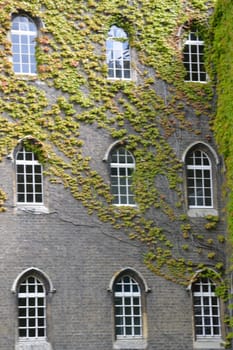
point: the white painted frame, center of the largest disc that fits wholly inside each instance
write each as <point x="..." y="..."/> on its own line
<point x="118" y="54"/>
<point x="32" y="315"/>
<point x="23" y="53"/>
<point x="205" y="171"/>
<point x="116" y="179"/>
<point x="204" y="310"/>
<point x="34" y="163"/>
<point x="128" y="323"/>
<point x="194" y="41"/>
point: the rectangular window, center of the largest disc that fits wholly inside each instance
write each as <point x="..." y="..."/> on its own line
<point x="29" y="178"/>
<point x="193" y="58"/>
<point x="206" y="309"/>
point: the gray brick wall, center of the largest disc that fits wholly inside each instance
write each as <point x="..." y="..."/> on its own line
<point x="81" y="255"/>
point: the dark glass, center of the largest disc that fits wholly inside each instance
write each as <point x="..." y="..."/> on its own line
<point x="22" y="302"/>
<point x="20" y="169"/>
<point x="32" y="333"/>
<point x="31" y="301"/>
<point x="28" y="169"/>
<point x="31" y="322"/>
<point x="29" y="198"/>
<point x="40" y="301"/>
<point x="128" y="330"/>
<point x="22" y="333"/>
<point x="32" y="312"/>
<point x="22" y="288"/>
<point x="37" y="169"/>
<point x="41" y="332"/>
<point x="40" y="311"/>
<point x="22" y="322"/>
<point x="22" y="312"/>
<point x="136" y="301"/>
<point x="40" y="322"/>
<point x="128" y="311"/>
<point x="21" y="198"/>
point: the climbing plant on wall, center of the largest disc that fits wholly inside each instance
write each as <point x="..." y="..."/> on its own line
<point x="148" y="114"/>
<point x="221" y="69"/>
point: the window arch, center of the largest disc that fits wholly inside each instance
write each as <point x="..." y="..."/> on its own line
<point x="199" y="179"/>
<point x="129" y="290"/>
<point x="118" y="54"/>
<point x="31" y="308"/>
<point x="29" y="177"/>
<point x="193" y="57"/>
<point x="206" y="309"/>
<point x="23" y="37"/>
<point x="122" y="166"/>
<point x="127" y="308"/>
<point x="31" y="288"/>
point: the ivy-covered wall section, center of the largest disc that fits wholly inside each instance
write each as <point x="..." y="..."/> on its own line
<point x="222" y="38"/>
<point x="156" y="114"/>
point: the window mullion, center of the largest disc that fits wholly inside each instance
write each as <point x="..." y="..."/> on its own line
<point x="36" y="316"/>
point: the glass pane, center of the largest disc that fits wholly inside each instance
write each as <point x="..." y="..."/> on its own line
<point x="22" y="312"/>
<point x="32" y="333"/>
<point x="41" y="332"/>
<point x="22" y="302"/>
<point x="31" y="301"/>
<point x="22" y="333"/>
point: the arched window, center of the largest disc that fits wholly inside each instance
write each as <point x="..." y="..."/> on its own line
<point x="122" y="166"/>
<point x="193" y="57"/>
<point x="118" y="54"/>
<point x="206" y="308"/>
<point x="127" y="308"/>
<point x="32" y="288"/>
<point x="199" y="179"/>
<point x="29" y="178"/>
<point x="31" y="308"/>
<point x="23" y="37"/>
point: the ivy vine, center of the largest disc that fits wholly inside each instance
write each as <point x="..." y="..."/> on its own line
<point x="152" y="113"/>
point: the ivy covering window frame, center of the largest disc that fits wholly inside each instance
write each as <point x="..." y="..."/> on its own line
<point x="193" y="57"/>
<point x="118" y="54"/>
<point x="24" y="33"/>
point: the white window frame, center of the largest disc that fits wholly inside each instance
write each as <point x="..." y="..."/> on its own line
<point x="34" y="164"/>
<point x="33" y="293"/>
<point x="118" y="54"/>
<point x="206" y="309"/>
<point x="126" y="320"/>
<point x="119" y="167"/>
<point x="199" y="181"/>
<point x="194" y="42"/>
<point x="23" y="54"/>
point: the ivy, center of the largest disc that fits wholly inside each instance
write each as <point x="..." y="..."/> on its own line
<point x="71" y="90"/>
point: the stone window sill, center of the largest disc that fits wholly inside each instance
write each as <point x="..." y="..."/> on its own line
<point x="209" y="343"/>
<point x="130" y="344"/>
<point x="33" y="345"/>
<point x="201" y="212"/>
<point x="33" y="209"/>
